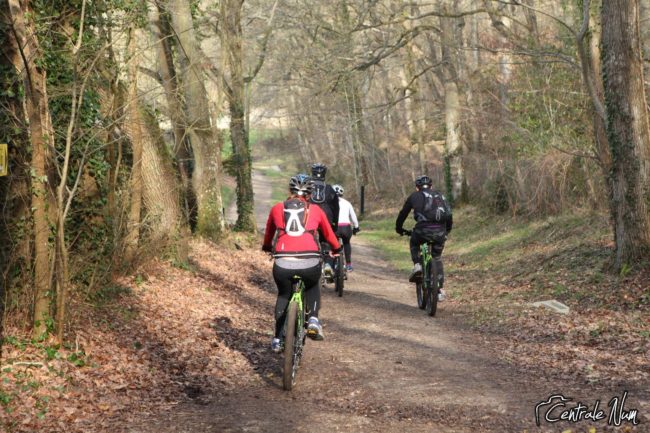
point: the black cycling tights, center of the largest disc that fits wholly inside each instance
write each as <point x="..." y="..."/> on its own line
<point x="345" y="232"/>
<point x="282" y="278"/>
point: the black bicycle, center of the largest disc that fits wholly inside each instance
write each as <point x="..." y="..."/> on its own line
<point x="427" y="288"/>
<point x="340" y="272"/>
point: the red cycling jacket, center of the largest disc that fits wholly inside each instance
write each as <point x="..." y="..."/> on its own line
<point x="300" y="246"/>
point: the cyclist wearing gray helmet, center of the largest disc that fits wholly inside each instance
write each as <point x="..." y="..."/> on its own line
<point x="290" y="237"/>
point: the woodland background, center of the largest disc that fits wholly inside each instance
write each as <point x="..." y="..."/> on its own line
<point x="131" y="125"/>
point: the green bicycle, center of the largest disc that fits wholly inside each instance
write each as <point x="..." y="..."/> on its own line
<point x="427" y="288"/>
<point x="294" y="333"/>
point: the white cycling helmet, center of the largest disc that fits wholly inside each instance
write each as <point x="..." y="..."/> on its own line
<point x="338" y="189"/>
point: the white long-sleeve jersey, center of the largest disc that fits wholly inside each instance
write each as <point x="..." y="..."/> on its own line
<point x="346" y="214"/>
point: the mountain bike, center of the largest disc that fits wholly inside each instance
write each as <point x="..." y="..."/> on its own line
<point x="427" y="288"/>
<point x="294" y="333"/>
<point x="339" y="272"/>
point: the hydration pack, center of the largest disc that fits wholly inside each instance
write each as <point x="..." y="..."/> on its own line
<point x="436" y="209"/>
<point x="295" y="217"/>
<point x="318" y="194"/>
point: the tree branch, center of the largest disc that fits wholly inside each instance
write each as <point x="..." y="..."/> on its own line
<point x="262" y="55"/>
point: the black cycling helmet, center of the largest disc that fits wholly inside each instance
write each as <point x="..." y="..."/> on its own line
<point x="301" y="184"/>
<point x="318" y="170"/>
<point x="423" y="181"/>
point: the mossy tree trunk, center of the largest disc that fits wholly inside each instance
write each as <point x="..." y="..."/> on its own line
<point x="231" y="37"/>
<point x="27" y="55"/>
<point x="627" y="128"/>
<point x="453" y="140"/>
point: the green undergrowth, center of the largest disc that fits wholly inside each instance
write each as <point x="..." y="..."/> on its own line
<point x="491" y="259"/>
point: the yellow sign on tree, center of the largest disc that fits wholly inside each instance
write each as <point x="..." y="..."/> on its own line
<point x="4" y="160"/>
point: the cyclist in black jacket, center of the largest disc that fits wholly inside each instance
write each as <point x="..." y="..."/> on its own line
<point x="433" y="220"/>
<point x="325" y="197"/>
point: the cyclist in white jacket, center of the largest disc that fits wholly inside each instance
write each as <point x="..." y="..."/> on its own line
<point x="348" y="224"/>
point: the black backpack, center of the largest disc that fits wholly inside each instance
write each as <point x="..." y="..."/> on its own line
<point x="318" y="193"/>
<point x="436" y="209"/>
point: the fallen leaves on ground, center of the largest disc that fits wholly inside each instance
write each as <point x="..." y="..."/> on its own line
<point x="172" y="335"/>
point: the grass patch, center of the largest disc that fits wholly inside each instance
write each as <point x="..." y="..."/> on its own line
<point x="559" y="257"/>
<point x="395" y="248"/>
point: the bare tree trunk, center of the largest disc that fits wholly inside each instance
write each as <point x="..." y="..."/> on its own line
<point x="162" y="34"/>
<point x="161" y="194"/>
<point x="64" y="195"/>
<point x="531" y="20"/>
<point x="627" y="128"/>
<point x="231" y="36"/>
<point x="600" y="133"/>
<point x="205" y="141"/>
<point x="109" y="103"/>
<point x="359" y="141"/>
<point x="133" y="128"/>
<point x="414" y="113"/>
<point x="41" y="136"/>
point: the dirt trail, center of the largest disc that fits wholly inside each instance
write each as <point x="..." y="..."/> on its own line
<point x="262" y="198"/>
<point x="384" y="367"/>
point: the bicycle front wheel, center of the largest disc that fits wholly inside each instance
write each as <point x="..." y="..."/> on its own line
<point x="421" y="294"/>
<point x="432" y="290"/>
<point x="290" y="348"/>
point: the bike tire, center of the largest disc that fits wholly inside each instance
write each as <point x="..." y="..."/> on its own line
<point x="419" y="292"/>
<point x="340" y="274"/>
<point x="432" y="292"/>
<point x="290" y="362"/>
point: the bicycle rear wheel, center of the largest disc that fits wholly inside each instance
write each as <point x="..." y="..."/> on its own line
<point x="291" y="348"/>
<point x="340" y="274"/>
<point x="432" y="291"/>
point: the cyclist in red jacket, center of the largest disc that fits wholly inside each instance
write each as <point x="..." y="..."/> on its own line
<point x="296" y="251"/>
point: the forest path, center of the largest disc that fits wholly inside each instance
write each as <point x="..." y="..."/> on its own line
<point x="262" y="196"/>
<point x="384" y="366"/>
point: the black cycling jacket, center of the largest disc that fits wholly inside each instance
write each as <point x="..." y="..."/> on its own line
<point x="331" y="206"/>
<point x="416" y="202"/>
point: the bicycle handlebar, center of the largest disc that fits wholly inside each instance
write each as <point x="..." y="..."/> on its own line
<point x="407" y="232"/>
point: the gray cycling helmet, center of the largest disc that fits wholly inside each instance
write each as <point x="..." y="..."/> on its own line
<point x="301" y="184"/>
<point x="423" y="181"/>
<point x="338" y="189"/>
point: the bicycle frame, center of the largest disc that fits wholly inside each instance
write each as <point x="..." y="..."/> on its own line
<point x="427" y="289"/>
<point x="298" y="288"/>
<point x="426" y="259"/>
